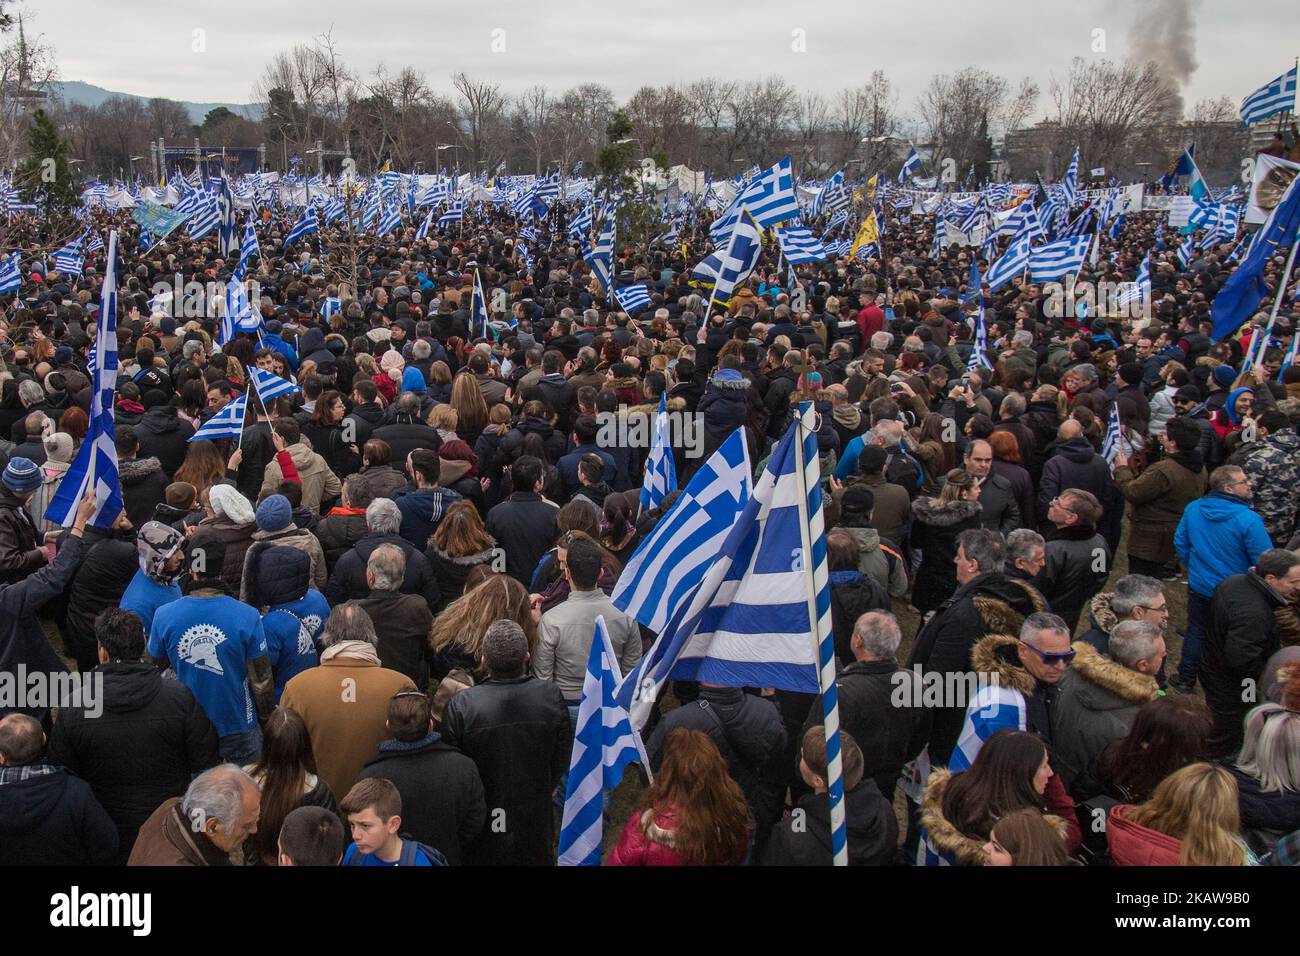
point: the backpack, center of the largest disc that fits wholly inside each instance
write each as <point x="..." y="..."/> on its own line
<point x="409" y="849"/>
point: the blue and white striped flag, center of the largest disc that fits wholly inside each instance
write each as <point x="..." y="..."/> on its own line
<point x="249" y="246"/>
<point x="1070" y="184"/>
<point x="455" y="212"/>
<point x="69" y="259"/>
<point x="227" y="423"/>
<point x="424" y="226"/>
<point x="660" y="470"/>
<point x="334" y="211"/>
<point x="799" y="245"/>
<point x="910" y="165"/>
<point x="633" y="298"/>
<point x="769" y="196"/>
<point x="207" y="213"/>
<point x="979" y="355"/>
<point x="96" y="243"/>
<point x="1139" y="291"/>
<point x="228" y="236"/>
<point x="604" y="743"/>
<point x="601" y="256"/>
<point x="1276" y="96"/>
<point x="306" y="225"/>
<point x="1110" y="445"/>
<point x="740" y="257"/>
<point x="96" y="462"/>
<point x="478" y="322"/>
<point x="270" y="386"/>
<point x="1058" y="259"/>
<point x="390" y="218"/>
<point x="1184" y="254"/>
<point x="11" y="275"/>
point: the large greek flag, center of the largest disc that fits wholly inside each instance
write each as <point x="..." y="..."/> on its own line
<point x="269" y="386"/>
<point x="799" y="245"/>
<point x="1139" y="291"/>
<point x="1058" y="259"/>
<point x="601" y="256"/>
<point x="740" y="257"/>
<point x="604" y="743"/>
<point x="96" y="462"/>
<point x="910" y="165"/>
<point x="11" y="275"/>
<point x="227" y="423"/>
<point x="306" y="225"/>
<point x="660" y="470"/>
<point x="249" y="246"/>
<point x="1276" y="96"/>
<point x="769" y="197"/>
<point x="633" y="298"/>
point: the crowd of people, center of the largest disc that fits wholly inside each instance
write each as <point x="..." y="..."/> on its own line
<point x="357" y="634"/>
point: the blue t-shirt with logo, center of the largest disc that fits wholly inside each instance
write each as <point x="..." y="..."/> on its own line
<point x="208" y="642"/>
<point x="370" y="859"/>
<point x="145" y="596"/>
<point x="291" y="632"/>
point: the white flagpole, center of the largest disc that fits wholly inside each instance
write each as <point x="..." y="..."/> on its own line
<point x="1277" y="301"/>
<point x="821" y="638"/>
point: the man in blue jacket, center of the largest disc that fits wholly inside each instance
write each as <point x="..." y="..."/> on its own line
<point x="1218" y="536"/>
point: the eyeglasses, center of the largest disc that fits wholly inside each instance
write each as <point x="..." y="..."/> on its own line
<point x="1049" y="658"/>
<point x="1162" y="609"/>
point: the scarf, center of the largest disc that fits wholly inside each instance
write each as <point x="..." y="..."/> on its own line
<point x="356" y="650"/>
<point x="1192" y="460"/>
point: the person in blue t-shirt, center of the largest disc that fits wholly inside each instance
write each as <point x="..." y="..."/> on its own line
<point x="217" y="648"/>
<point x="162" y="555"/>
<point x="374" y="811"/>
<point x="278" y="581"/>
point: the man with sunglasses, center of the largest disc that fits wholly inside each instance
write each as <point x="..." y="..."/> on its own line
<point x="1018" y="679"/>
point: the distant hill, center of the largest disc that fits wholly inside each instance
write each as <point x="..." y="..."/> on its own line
<point x="75" y="91"/>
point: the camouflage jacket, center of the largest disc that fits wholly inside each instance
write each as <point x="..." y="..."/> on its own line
<point x="1273" y="463"/>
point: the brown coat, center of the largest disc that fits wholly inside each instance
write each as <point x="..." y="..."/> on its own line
<point x="319" y="483"/>
<point x="167" y="839"/>
<point x="1156" y="500"/>
<point x="345" y="720"/>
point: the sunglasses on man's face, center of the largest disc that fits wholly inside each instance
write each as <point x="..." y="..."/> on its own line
<point x="1052" y="659"/>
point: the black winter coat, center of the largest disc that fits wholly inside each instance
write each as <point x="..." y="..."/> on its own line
<point x="512" y="444"/>
<point x="53" y="819"/>
<point x="517" y="732"/>
<point x="1076" y="464"/>
<point x="1076" y="565"/>
<point x="1242" y="635"/>
<point x="404" y="437"/>
<point x="852" y="595"/>
<point x="525" y="526"/>
<point x="869" y="817"/>
<point x="143" y="749"/>
<point x="164" y="435"/>
<point x="105" y="572"/>
<point x="144" y="488"/>
<point x="935" y="529"/>
<point x="338" y="533"/>
<point x="441" y="791"/>
<point x="348" y="582"/>
<point x="18" y="554"/>
<point x="451" y="573"/>
<point x="402" y="623"/>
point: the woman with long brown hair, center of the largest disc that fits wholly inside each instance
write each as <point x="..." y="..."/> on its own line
<point x="459" y="544"/>
<point x="471" y="408"/>
<point x="203" y="466"/>
<point x="693" y="814"/>
<point x="939" y="457"/>
<point x="1025" y="838"/>
<point x="286" y="774"/>
<point x="457" y="633"/>
<point x="1167" y="734"/>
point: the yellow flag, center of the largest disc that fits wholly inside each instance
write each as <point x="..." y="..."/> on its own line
<point x="867" y="234"/>
<point x="871" y="186"/>
<point x="387" y="167"/>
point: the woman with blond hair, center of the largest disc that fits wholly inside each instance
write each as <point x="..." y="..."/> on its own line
<point x="693" y="814"/>
<point x="471" y="408"/>
<point x="1192" y="819"/>
<point x="457" y="633"/>
<point x="1267" y="771"/>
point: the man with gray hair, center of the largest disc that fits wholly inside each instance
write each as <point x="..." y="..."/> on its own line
<point x="206" y="827"/>
<point x="881" y="704"/>
<point x="404" y="638"/>
<point x="1026" y="554"/>
<point x="1099" y="700"/>
<point x="515" y="727"/>
<point x="986" y="603"/>
<point x="349" y="581"/>
<point x="1136" y="598"/>
<point x="344" y="701"/>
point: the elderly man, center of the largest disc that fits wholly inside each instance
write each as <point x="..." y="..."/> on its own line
<point x="206" y="827"/>
<point x="1076" y="464"/>
<point x="889" y="735"/>
<point x="1136" y="598"/>
<point x="1077" y="560"/>
<point x="997" y="498"/>
<point x="348" y="582"/>
<point x="1026" y="554"/>
<point x="1100" y="697"/>
<point x="900" y="469"/>
<point x="344" y="701"/>
<point x="406" y="618"/>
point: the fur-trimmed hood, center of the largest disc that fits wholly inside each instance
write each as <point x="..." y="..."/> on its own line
<point x="650" y="410"/>
<point x="930" y="511"/>
<point x="1102" y="615"/>
<point x="1003" y="603"/>
<point x="996" y="654"/>
<point x="1112" y="678"/>
<point x="944" y="837"/>
<point x="135" y="470"/>
<point x="480" y="557"/>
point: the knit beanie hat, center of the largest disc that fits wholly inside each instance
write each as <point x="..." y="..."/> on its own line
<point x="21" y="476"/>
<point x="274" y="514"/>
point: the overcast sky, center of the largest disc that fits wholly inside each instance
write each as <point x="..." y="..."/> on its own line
<point x="145" y="46"/>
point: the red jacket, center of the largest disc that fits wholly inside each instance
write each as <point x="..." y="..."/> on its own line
<point x="647" y="841"/>
<point x="1134" y="845"/>
<point x="870" y="321"/>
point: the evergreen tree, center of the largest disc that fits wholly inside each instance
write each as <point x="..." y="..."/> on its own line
<point x="45" y="177"/>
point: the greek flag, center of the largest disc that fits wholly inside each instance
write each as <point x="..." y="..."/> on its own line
<point x="270" y="386"/>
<point x="478" y="323"/>
<point x="1117" y="227"/>
<point x="633" y="298"/>
<point x="660" y="471"/>
<point x="799" y="245"/>
<point x="424" y="226"/>
<point x="306" y="225"/>
<point x="96" y="243"/>
<point x="454" y="213"/>
<point x="434" y="193"/>
<point x="1058" y="259"/>
<point x="580" y="228"/>
<point x="11" y="275"/>
<point x="980" y="353"/>
<point x="839" y="247"/>
<point x="207" y="213"/>
<point x="228" y="238"/>
<point x="910" y="165"/>
<point x="601" y="256"/>
<point x="832" y="187"/>
<point x="334" y="211"/>
<point x="740" y="258"/>
<point x="1070" y="185"/>
<point x="96" y="462"/>
<point x="1139" y="291"/>
<point x="1276" y="96"/>
<point x="227" y="423"/>
<point x="940" y="233"/>
<point x="769" y="196"/>
<point x="604" y="743"/>
<point x="1184" y="254"/>
<point x="390" y="218"/>
<point x="249" y="247"/>
<point x="1110" y="445"/>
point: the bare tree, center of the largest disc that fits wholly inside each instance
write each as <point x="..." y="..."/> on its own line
<point x="533" y="110"/>
<point x="482" y="113"/>
<point x="867" y="113"/>
<point x="956" y="112"/>
<point x="661" y="120"/>
<point x="811" y="119"/>
<point x="26" y="66"/>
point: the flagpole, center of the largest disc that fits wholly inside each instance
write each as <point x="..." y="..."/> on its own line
<point x="1277" y="300"/>
<point x="823" y="645"/>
